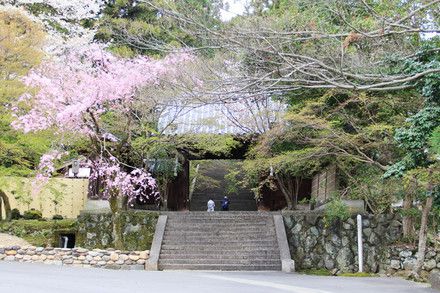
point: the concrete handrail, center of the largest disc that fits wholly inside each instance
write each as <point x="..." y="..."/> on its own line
<point x="153" y="262"/>
<point x="287" y="263"/>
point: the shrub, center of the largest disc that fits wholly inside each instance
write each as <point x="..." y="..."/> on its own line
<point x="37" y="232"/>
<point x="15" y="214"/>
<point x="57" y="217"/>
<point x="32" y="214"/>
<point x="335" y="210"/>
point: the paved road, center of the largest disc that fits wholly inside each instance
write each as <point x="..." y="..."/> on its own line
<point x="35" y="278"/>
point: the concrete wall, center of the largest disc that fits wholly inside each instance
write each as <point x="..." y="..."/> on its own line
<point x="71" y="193"/>
<point x="314" y="245"/>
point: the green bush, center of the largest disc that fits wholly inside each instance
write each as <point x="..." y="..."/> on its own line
<point x="336" y="210"/>
<point x="57" y="217"/>
<point x="37" y="232"/>
<point x="15" y="214"/>
<point x="32" y="214"/>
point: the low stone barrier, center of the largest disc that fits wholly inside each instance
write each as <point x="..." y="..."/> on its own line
<point x="108" y="258"/>
<point x="401" y="260"/>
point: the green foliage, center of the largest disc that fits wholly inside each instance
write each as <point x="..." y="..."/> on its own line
<point x="21" y="50"/>
<point x="233" y="181"/>
<point x="57" y="217"/>
<point x="335" y="210"/>
<point x="316" y="272"/>
<point x="141" y="29"/>
<point x="414" y="138"/>
<point x="58" y="27"/>
<point x="32" y="214"/>
<point x="435" y="141"/>
<point x="40" y="8"/>
<point x="367" y="183"/>
<point x="15" y="214"/>
<point x="36" y="232"/>
<point x="209" y="144"/>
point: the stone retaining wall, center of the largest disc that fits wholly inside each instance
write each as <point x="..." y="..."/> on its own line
<point x="314" y="245"/>
<point x="401" y="260"/>
<point x="95" y="230"/>
<point x="109" y="258"/>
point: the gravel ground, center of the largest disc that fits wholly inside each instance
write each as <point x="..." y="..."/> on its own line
<point x="9" y="240"/>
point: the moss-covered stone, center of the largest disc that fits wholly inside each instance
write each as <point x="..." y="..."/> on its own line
<point x="95" y="230"/>
<point x="40" y="8"/>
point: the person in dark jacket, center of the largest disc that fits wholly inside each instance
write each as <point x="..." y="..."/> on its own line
<point x="225" y="203"/>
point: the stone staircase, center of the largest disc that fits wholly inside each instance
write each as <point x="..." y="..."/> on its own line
<point x="242" y="201"/>
<point x="244" y="241"/>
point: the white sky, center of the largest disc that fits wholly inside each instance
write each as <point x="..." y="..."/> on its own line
<point x="232" y="9"/>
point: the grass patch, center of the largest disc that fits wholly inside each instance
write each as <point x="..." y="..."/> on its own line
<point x="316" y="272"/>
<point x="39" y="233"/>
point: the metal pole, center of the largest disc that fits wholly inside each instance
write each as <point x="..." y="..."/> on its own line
<point x="360" y="250"/>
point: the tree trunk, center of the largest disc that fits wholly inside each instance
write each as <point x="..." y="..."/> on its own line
<point x="7" y="205"/>
<point x="408" y="220"/>
<point x="421" y="251"/>
<point x="116" y="222"/>
<point x="423" y="233"/>
<point x="285" y="192"/>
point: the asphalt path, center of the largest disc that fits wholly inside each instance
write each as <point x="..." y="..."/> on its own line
<point x="35" y="278"/>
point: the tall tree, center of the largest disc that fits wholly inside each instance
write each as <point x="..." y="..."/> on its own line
<point x="21" y="42"/>
<point x="73" y="94"/>
<point x="133" y="27"/>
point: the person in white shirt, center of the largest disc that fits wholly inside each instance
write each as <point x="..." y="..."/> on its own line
<point x="211" y="205"/>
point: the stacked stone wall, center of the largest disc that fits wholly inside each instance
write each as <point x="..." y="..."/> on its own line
<point x="95" y="230"/>
<point x="313" y="244"/>
<point x="401" y="260"/>
<point x="109" y="258"/>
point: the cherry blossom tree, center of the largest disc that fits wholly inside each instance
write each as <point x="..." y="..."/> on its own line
<point x="71" y="93"/>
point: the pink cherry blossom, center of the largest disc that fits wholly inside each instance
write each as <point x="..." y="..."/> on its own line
<point x="73" y="91"/>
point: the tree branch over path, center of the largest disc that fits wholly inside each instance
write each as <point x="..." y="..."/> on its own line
<point x="321" y="45"/>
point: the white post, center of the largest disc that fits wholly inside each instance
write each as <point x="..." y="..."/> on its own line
<point x="360" y="250"/>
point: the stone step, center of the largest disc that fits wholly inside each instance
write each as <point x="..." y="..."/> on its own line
<point x="219" y="215"/>
<point x="215" y="238"/>
<point x="219" y="233"/>
<point x="250" y="231"/>
<point x="220" y="222"/>
<point x="238" y="246"/>
<point x="210" y="261"/>
<point x="232" y="207"/>
<point x="219" y="267"/>
<point x="172" y="254"/>
<point x="216" y="243"/>
<point x="210" y="226"/>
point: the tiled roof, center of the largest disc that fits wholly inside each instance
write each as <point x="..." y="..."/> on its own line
<point x="237" y="117"/>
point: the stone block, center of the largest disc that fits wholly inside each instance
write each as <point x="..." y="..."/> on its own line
<point x="395" y="264"/>
<point x="144" y="254"/>
<point x="405" y="253"/>
<point x="430" y="264"/>
<point x="434" y="279"/>
<point x="114" y="256"/>
<point x="134" y="257"/>
<point x="409" y="264"/>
